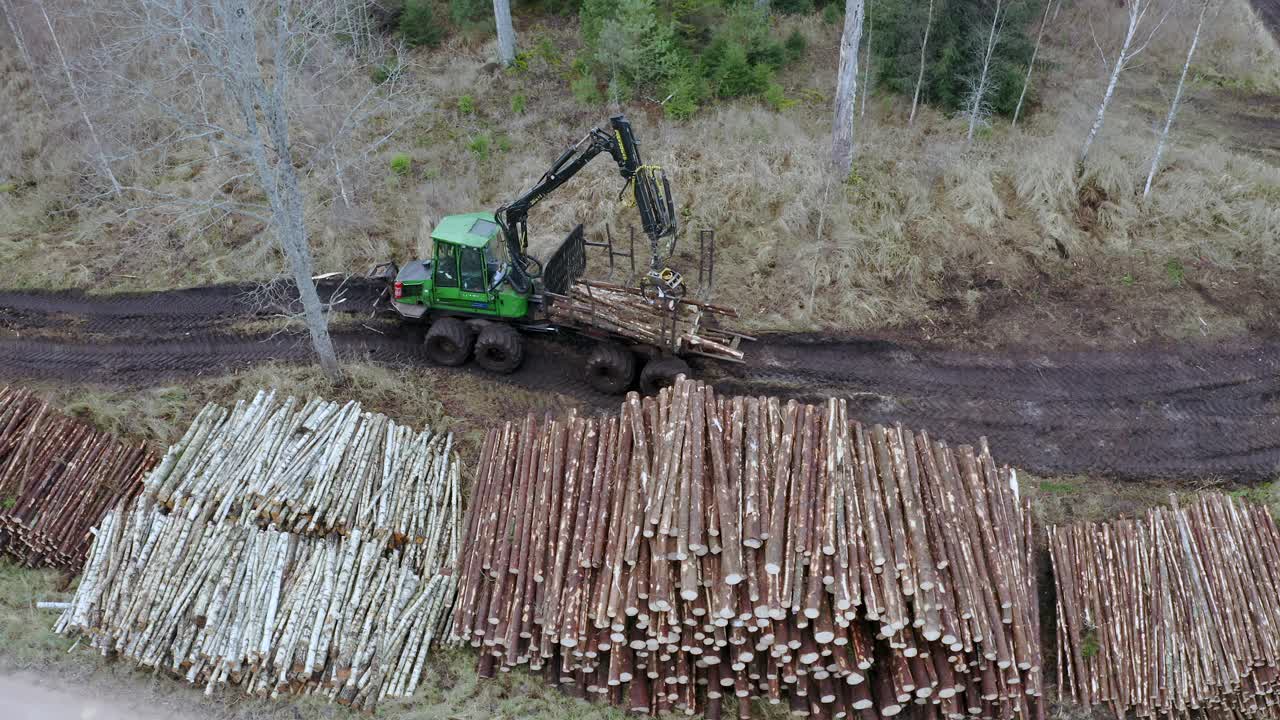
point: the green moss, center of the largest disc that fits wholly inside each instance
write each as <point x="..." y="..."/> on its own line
<point x="1090" y="647"/>
<point x="1058" y="488"/>
<point x="401" y="164"/>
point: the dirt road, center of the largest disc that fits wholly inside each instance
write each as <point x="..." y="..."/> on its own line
<point x="1186" y="412"/>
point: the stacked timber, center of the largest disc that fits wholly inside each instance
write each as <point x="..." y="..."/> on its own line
<point x="274" y="612"/>
<point x="684" y="327"/>
<point x="309" y="467"/>
<point x="285" y="547"/>
<point x="57" y="479"/>
<point x="1171" y="613"/>
<point x="697" y="547"/>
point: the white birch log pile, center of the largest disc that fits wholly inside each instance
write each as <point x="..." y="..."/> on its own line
<point x="1173" y="613"/>
<point x="696" y="547"/>
<point x="58" y="477"/>
<point x="285" y="547"/>
<point x="310" y="467"/>
<point x="269" y="611"/>
<point x="684" y="327"/>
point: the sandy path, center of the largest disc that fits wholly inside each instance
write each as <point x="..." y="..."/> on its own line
<point x="27" y="696"/>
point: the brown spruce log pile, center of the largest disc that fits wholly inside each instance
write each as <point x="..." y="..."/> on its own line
<point x="1173" y="612"/>
<point x="697" y="547"/>
<point x="285" y="547"/>
<point x="58" y="477"/>
<point x="681" y="326"/>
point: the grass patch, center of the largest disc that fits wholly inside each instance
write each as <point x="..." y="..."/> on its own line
<point x="26" y="638"/>
<point x="1058" y="488"/>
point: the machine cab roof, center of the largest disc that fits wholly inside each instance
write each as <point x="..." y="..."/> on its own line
<point x="473" y="230"/>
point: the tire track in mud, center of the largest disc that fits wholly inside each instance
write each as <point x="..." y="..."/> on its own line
<point x="1191" y="411"/>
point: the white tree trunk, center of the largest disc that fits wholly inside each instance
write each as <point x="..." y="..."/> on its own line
<point x="15" y="28"/>
<point x="846" y="89"/>
<point x="762" y="4"/>
<point x="75" y="93"/>
<point x="980" y="90"/>
<point x="1137" y="11"/>
<point x="1173" y="107"/>
<point x="1026" y="82"/>
<point x="273" y="158"/>
<point x="506" y="34"/>
<point x="1101" y="115"/>
<point x="1057" y="8"/>
<point x="924" y="48"/>
<point x="866" y="78"/>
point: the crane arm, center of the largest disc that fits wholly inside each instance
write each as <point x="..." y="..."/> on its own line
<point x="649" y="184"/>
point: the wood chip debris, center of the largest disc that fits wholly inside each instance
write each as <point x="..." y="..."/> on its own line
<point x="696" y="547"/>
<point x="1173" y="612"/>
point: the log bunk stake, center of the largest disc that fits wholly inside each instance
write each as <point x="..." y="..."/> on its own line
<point x="1173" y="613"/>
<point x="285" y="547"/>
<point x="57" y="479"/>
<point x="680" y="326"/>
<point x="698" y="547"/>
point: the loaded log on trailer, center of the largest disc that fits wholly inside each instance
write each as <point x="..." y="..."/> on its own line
<point x="480" y="291"/>
<point x="696" y="547"/>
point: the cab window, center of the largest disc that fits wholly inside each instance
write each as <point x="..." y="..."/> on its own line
<point x="471" y="267"/>
<point x="446" y="267"/>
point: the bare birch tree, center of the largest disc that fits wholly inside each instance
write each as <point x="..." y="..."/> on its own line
<point x="1026" y="82"/>
<point x="1177" y="100"/>
<point x="866" y="78"/>
<point x="924" y="49"/>
<point x="1138" y="23"/>
<point x="103" y="164"/>
<point x="15" y="28"/>
<point x="278" y="89"/>
<point x="506" y="34"/>
<point x="846" y="89"/>
<point x="978" y="95"/>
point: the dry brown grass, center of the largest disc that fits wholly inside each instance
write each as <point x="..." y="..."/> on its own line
<point x="924" y="220"/>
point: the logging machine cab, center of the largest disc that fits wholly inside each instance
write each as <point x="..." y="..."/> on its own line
<point x="480" y="284"/>
<point x="467" y="273"/>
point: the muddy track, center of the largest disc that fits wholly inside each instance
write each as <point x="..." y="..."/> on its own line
<point x="1189" y="412"/>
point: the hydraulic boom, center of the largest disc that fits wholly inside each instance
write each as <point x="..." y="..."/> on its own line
<point x="649" y="184"/>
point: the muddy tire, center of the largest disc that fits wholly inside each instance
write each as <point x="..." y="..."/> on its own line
<point x="499" y="349"/>
<point x="449" y="342"/>
<point x="611" y="369"/>
<point x="661" y="373"/>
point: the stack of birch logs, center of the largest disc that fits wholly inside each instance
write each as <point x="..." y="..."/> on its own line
<point x="677" y="325"/>
<point x="57" y="479"/>
<point x="698" y="547"/>
<point x="1171" y="613"/>
<point x="285" y="547"/>
<point x="310" y="468"/>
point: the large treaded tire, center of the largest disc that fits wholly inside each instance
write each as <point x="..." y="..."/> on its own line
<point x="661" y="373"/>
<point x="499" y="349"/>
<point x="449" y="342"/>
<point x="611" y="369"/>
